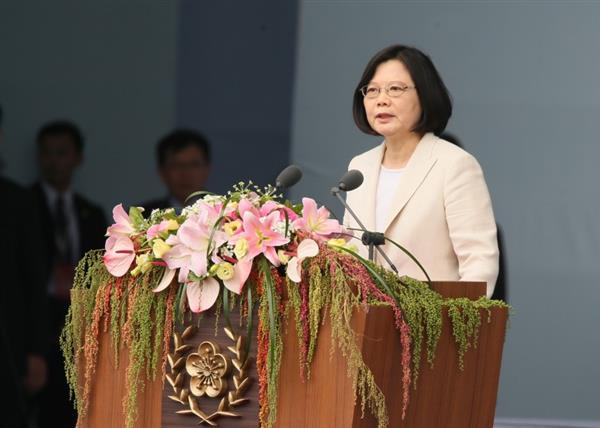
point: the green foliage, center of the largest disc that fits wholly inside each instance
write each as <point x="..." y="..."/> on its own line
<point x="270" y="315"/>
<point x="343" y="305"/>
<point x="89" y="275"/>
<point x="141" y="346"/>
<point x="137" y="316"/>
<point x="319" y="299"/>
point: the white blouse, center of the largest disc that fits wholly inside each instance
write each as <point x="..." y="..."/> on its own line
<point x="389" y="181"/>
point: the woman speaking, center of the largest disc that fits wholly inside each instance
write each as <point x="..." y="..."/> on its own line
<point x="421" y="191"/>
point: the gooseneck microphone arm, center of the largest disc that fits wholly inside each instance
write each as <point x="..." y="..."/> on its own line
<point x="350" y="181"/>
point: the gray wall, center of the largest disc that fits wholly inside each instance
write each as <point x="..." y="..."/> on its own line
<point x="235" y="79"/>
<point x="110" y="67"/>
<point x="524" y="77"/>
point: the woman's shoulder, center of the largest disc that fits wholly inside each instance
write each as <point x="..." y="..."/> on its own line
<point x="454" y="161"/>
<point x="367" y="156"/>
<point x="449" y="154"/>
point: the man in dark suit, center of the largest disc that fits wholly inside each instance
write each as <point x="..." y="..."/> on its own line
<point x="183" y="159"/>
<point x="72" y="225"/>
<point x="22" y="304"/>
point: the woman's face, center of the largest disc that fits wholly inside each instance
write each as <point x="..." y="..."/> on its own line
<point x="393" y="116"/>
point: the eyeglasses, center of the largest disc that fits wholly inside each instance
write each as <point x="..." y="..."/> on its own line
<point x="393" y="89"/>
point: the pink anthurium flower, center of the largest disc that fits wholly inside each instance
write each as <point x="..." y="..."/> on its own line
<point x="241" y="271"/>
<point x="190" y="247"/>
<point x="261" y="237"/>
<point x="316" y="221"/>
<point x="201" y="295"/>
<point x="306" y="248"/>
<point x="166" y="280"/>
<point x="119" y="255"/>
<point x="122" y="225"/>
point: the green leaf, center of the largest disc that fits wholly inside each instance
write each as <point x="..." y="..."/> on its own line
<point x="413" y="258"/>
<point x="136" y="217"/>
<point x="250" y="320"/>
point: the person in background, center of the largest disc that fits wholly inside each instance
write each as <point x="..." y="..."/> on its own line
<point x="420" y="190"/>
<point x="72" y="226"/>
<point x="184" y="159"/>
<point x="501" y="290"/>
<point x="22" y="304"/>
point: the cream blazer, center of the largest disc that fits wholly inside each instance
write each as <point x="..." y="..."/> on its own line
<point x="441" y="212"/>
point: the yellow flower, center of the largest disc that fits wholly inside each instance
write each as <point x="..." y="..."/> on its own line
<point x="232" y="227"/>
<point x="337" y="242"/>
<point x="172" y="225"/>
<point x="283" y="257"/>
<point x="160" y="247"/>
<point x="241" y="248"/>
<point x="143" y="264"/>
<point x="225" y="271"/>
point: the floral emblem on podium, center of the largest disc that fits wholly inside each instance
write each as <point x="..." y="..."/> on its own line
<point x="207" y="369"/>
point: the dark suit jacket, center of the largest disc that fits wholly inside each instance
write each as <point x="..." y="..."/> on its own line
<point x="90" y="218"/>
<point x="23" y="305"/>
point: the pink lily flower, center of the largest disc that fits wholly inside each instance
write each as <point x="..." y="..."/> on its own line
<point x="156" y="229"/>
<point x="316" y="221"/>
<point x="190" y="248"/>
<point x="119" y="255"/>
<point x="201" y="295"/>
<point x="246" y="205"/>
<point x="306" y="248"/>
<point x="261" y="237"/>
<point x="122" y="225"/>
<point x="208" y="214"/>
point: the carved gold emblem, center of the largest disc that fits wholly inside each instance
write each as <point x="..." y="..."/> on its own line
<point x="208" y="371"/>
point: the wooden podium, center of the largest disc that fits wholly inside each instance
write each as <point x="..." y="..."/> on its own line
<point x="444" y="396"/>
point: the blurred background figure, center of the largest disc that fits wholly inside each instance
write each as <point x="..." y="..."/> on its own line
<point x="72" y="225"/>
<point x="501" y="290"/>
<point x="22" y="304"/>
<point x="184" y="159"/>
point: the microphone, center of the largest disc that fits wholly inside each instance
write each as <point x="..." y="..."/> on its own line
<point x="350" y="181"/>
<point x="288" y="177"/>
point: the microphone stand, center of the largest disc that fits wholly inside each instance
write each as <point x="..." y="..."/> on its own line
<point x="371" y="239"/>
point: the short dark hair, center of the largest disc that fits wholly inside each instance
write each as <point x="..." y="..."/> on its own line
<point x="180" y="139"/>
<point x="436" y="105"/>
<point x="61" y="127"/>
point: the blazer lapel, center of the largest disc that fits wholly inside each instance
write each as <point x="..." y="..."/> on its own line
<point x="421" y="162"/>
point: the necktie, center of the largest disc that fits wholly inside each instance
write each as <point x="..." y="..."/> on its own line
<point x="63" y="263"/>
<point x="61" y="232"/>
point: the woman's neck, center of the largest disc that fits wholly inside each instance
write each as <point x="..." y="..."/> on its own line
<point x="398" y="150"/>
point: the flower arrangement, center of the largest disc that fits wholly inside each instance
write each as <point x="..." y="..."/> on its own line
<point x="214" y="242"/>
<point x="249" y="248"/>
